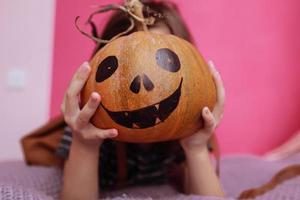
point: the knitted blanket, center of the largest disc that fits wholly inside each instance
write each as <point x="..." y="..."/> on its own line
<point x="19" y="181"/>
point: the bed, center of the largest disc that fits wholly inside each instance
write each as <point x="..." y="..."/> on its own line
<point x="19" y="181"/>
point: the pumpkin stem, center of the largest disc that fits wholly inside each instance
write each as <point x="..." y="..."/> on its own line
<point x="134" y="8"/>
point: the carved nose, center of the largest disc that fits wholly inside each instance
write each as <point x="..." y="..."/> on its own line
<point x="135" y="85"/>
<point x="148" y="85"/>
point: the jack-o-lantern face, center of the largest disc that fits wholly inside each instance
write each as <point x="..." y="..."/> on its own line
<point x="150" y="115"/>
<point x="153" y="87"/>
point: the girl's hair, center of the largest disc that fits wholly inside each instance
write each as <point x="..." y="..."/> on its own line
<point x="170" y="17"/>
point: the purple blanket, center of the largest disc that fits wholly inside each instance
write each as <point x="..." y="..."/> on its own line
<point x="18" y="181"/>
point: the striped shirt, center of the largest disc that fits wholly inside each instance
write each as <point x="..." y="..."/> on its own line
<point x="145" y="164"/>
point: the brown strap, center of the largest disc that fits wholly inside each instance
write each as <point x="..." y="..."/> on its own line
<point x="283" y="175"/>
<point x="122" y="167"/>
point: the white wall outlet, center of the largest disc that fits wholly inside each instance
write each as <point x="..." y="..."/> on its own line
<point x="16" y="79"/>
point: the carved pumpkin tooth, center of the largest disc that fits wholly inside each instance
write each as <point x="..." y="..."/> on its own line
<point x="157" y="120"/>
<point x="157" y="106"/>
<point x="135" y="126"/>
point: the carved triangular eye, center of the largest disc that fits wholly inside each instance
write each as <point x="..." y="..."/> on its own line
<point x="168" y="60"/>
<point x="106" y="68"/>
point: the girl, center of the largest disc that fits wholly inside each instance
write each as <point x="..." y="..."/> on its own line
<point x="145" y="163"/>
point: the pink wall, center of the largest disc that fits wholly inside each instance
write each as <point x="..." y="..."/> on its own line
<point x="254" y="43"/>
<point x="26" y="29"/>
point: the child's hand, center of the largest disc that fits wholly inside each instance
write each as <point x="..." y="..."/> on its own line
<point x="79" y="119"/>
<point x="198" y="141"/>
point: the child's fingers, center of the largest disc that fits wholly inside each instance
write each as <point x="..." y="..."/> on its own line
<point x="218" y="109"/>
<point x="108" y="133"/>
<point x="219" y="84"/>
<point x="93" y="133"/>
<point x="209" y="121"/>
<point x="88" y="110"/>
<point x="75" y="87"/>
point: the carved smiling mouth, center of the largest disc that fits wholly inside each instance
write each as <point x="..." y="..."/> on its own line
<point x="148" y="116"/>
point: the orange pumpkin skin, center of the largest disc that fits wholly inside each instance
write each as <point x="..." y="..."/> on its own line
<point x="153" y="87"/>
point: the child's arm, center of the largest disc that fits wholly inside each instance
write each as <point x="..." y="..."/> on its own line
<point x="81" y="168"/>
<point x="200" y="176"/>
<point x="81" y="173"/>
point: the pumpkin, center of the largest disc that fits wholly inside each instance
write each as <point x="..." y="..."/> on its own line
<point x="153" y="87"/>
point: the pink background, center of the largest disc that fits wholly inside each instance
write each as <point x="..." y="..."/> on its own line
<point x="26" y="45"/>
<point x="255" y="45"/>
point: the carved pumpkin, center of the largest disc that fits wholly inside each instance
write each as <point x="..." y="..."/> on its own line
<point x="153" y="87"/>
